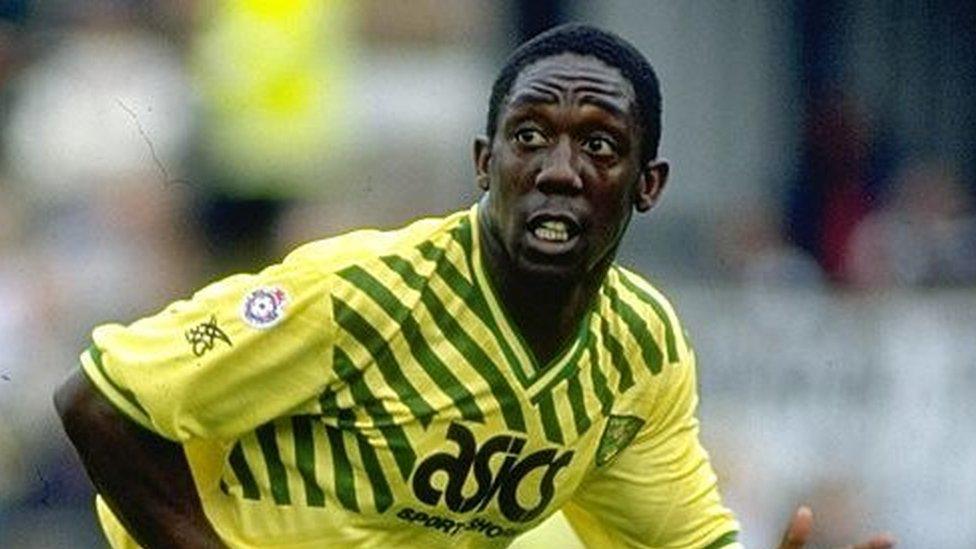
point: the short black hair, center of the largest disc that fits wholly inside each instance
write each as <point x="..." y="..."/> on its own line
<point x="606" y="46"/>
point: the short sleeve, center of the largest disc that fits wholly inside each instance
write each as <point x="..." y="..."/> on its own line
<point x="239" y="353"/>
<point x="660" y="491"/>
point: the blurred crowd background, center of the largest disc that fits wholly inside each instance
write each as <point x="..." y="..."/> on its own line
<point x="818" y="234"/>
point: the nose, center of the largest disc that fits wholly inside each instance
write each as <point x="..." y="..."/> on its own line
<point x="560" y="172"/>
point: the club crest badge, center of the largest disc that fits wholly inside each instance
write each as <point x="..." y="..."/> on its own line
<point x="620" y="430"/>
<point x="264" y="307"/>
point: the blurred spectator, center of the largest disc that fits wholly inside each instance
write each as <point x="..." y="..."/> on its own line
<point x="96" y="139"/>
<point x="107" y="106"/>
<point x="273" y="85"/>
<point x="753" y="251"/>
<point x="16" y="297"/>
<point x="925" y="235"/>
<point x="841" y="166"/>
<point x="90" y="223"/>
<point x="13" y="13"/>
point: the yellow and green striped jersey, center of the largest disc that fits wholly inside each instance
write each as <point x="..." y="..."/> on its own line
<point x="370" y="391"/>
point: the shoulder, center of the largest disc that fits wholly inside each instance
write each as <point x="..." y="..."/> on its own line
<point x="642" y="307"/>
<point x="331" y="255"/>
<point x="658" y="349"/>
<point x="646" y="294"/>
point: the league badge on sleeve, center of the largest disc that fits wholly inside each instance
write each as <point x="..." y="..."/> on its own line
<point x="264" y="307"/>
<point x="620" y="430"/>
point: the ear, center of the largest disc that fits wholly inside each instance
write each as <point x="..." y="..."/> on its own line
<point x="482" y="154"/>
<point x="650" y="184"/>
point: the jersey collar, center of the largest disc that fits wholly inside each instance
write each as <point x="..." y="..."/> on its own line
<point x="528" y="370"/>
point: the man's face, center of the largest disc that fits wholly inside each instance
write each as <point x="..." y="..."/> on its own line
<point x="563" y="168"/>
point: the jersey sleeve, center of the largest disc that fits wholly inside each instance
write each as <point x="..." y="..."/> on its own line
<point x="238" y="353"/>
<point x="659" y="491"/>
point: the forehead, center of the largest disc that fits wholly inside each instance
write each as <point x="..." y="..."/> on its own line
<point x="573" y="77"/>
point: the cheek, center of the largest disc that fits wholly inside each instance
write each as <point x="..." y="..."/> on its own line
<point x="510" y="181"/>
<point x="614" y="210"/>
<point x="513" y="170"/>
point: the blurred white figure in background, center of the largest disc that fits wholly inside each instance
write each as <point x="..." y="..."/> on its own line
<point x="83" y="113"/>
<point x="752" y="249"/>
<point x="96" y="131"/>
<point x="924" y="236"/>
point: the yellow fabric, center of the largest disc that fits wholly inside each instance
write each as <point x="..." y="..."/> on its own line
<point x="273" y="84"/>
<point x="660" y="492"/>
<point x="233" y="387"/>
<point x="391" y="403"/>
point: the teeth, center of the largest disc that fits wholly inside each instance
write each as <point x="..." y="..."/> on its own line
<point x="552" y="230"/>
<point x="546" y="232"/>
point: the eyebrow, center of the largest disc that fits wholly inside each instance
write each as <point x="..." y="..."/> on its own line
<point x="533" y="95"/>
<point x="537" y="95"/>
<point x="609" y="106"/>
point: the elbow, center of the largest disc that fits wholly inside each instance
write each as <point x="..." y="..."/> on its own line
<point x="72" y="400"/>
<point x="63" y="400"/>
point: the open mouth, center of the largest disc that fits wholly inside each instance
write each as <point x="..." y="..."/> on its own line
<point x="553" y="228"/>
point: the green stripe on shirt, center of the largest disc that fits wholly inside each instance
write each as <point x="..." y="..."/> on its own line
<point x="96" y="355"/>
<point x="725" y="539"/>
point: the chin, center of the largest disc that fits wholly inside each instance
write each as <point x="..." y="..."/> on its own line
<point x="550" y="272"/>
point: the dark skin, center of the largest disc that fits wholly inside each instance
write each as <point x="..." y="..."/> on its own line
<point x="144" y="478"/>
<point x="566" y="148"/>
<point x="567" y="145"/>
<point x="566" y="151"/>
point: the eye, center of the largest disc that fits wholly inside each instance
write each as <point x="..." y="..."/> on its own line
<point x="530" y="137"/>
<point x="599" y="146"/>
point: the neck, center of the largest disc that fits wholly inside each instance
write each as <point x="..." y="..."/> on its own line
<point x="547" y="310"/>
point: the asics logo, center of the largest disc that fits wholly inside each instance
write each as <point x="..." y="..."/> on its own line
<point x="502" y="482"/>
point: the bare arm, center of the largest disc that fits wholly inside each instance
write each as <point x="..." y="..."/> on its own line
<point x="144" y="478"/>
